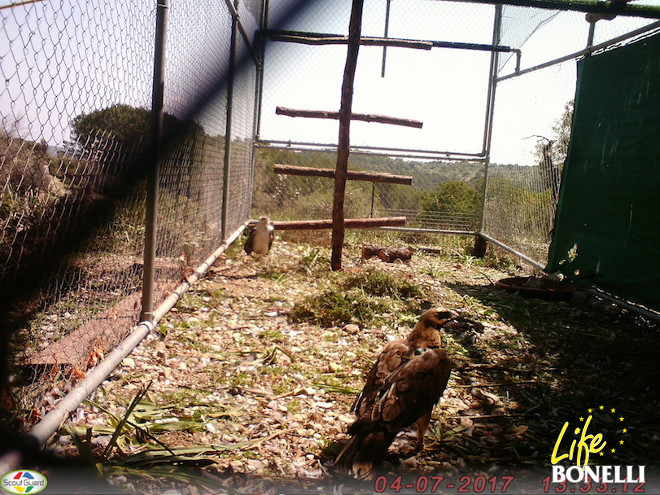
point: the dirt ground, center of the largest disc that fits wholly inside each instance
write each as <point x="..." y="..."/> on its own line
<point x="241" y="391"/>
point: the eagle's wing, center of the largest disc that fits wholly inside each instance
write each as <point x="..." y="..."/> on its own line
<point x="271" y="236"/>
<point x="403" y="397"/>
<point x="412" y="390"/>
<point x="390" y="359"/>
<point x="250" y="241"/>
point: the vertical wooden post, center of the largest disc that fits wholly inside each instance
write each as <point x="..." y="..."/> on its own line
<point x="480" y="247"/>
<point x="343" y="145"/>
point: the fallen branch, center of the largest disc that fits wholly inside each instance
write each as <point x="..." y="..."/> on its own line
<point x="497" y="367"/>
<point x="488" y="416"/>
<point x="387" y="254"/>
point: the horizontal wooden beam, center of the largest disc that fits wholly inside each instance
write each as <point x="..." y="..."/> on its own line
<point x="322" y="114"/>
<point x="349" y="223"/>
<point x="352" y="174"/>
<point x="304" y="37"/>
<point x="343" y="40"/>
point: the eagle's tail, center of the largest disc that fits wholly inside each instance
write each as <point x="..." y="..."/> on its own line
<point x="363" y="452"/>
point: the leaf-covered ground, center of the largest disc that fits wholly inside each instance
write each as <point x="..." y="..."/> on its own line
<point x="249" y="381"/>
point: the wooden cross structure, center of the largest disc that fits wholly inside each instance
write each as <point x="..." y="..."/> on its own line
<point x="345" y="116"/>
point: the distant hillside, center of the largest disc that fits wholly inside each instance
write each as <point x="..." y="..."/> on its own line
<point x="426" y="174"/>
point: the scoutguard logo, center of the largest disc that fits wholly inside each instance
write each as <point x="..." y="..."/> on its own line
<point x="24" y="481"/>
<point x="597" y="436"/>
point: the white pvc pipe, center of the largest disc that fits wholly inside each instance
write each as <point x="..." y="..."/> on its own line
<point x="43" y="430"/>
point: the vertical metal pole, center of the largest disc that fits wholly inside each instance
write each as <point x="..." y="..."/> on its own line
<point x="157" y="98"/>
<point x="490" y="107"/>
<point x="373" y="199"/>
<point x="387" y="30"/>
<point x="260" y="69"/>
<point x="260" y="50"/>
<point x="492" y="82"/>
<point x="231" y="71"/>
<point x="590" y="36"/>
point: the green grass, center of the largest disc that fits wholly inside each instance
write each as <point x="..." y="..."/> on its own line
<point x="366" y="298"/>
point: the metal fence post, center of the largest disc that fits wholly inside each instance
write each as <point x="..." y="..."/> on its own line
<point x="230" y="99"/>
<point x="154" y="156"/>
<point x="488" y="128"/>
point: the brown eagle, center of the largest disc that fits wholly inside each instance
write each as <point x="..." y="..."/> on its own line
<point x="402" y="388"/>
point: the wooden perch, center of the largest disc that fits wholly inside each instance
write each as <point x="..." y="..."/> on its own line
<point x="351" y="175"/>
<point x="344" y="138"/>
<point x="349" y="223"/>
<point x="323" y="114"/>
<point x="330" y="39"/>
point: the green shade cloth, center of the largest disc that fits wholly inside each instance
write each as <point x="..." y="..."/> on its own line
<point x="607" y="231"/>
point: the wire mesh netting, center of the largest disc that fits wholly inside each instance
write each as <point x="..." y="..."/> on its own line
<point x="444" y="196"/>
<point x="75" y="150"/>
<point x="444" y="156"/>
<point x="531" y="128"/>
<point x="443" y="88"/>
<point x="532" y="119"/>
<point x="446" y="88"/>
<point x="75" y="139"/>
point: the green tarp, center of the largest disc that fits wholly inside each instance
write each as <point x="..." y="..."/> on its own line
<point x="607" y="229"/>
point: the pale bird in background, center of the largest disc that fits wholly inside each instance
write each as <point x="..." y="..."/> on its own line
<point x="261" y="237"/>
<point x="403" y="386"/>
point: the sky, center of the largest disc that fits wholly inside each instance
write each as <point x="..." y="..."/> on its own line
<point x="444" y="88"/>
<point x="60" y="58"/>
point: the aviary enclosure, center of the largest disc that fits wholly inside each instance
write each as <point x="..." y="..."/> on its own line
<point x="139" y="141"/>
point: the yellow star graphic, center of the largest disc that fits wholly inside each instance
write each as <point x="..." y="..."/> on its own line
<point x="601" y="407"/>
<point x="601" y="452"/>
<point x="613" y="451"/>
<point x="620" y="442"/>
<point x="581" y="418"/>
<point x="613" y="410"/>
<point x="589" y="410"/>
<point x="621" y="418"/>
<point x="625" y="430"/>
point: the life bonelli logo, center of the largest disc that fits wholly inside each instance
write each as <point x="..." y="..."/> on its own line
<point x="582" y="450"/>
<point x="24" y="481"/>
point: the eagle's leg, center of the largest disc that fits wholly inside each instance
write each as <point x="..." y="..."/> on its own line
<point x="422" y="426"/>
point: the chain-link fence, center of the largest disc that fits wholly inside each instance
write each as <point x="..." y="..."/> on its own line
<point x="532" y="118"/>
<point x="75" y="144"/>
<point x="292" y="197"/>
<point x="444" y="158"/>
<point x="515" y="116"/>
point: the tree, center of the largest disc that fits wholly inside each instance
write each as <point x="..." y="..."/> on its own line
<point x="124" y="124"/>
<point x="456" y="200"/>
<point x="562" y="130"/>
<point x="452" y="196"/>
<point x="551" y="152"/>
